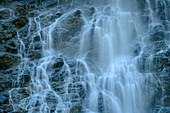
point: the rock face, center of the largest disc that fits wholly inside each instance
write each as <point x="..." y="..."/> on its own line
<point x="155" y="58"/>
<point x="66" y="31"/>
<point x="24" y="26"/>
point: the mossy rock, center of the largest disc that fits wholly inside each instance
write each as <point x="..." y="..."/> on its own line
<point x="8" y="61"/>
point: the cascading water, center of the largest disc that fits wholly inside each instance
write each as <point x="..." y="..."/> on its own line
<point x="94" y="70"/>
<point x="117" y="87"/>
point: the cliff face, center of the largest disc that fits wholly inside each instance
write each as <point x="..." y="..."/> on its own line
<point x="155" y="58"/>
<point x="24" y="40"/>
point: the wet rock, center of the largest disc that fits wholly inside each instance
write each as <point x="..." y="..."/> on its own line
<point x="56" y="66"/>
<point x="24" y="79"/>
<point x="23" y="9"/>
<point x="65" y="32"/>
<point x="166" y="101"/>
<point x="158" y="36"/>
<point x="151" y="64"/>
<point x="23" y="32"/>
<point x="12" y="46"/>
<point x="77" y="67"/>
<point x="6" y="108"/>
<point x="17" y="94"/>
<point x="158" y="46"/>
<point x="36" y="46"/>
<point x="75" y="109"/>
<point x="72" y="25"/>
<point x="33" y="27"/>
<point x="59" y="87"/>
<point x="141" y="5"/>
<point x="167" y="53"/>
<point x="158" y="63"/>
<point x="34" y="13"/>
<point x="100" y="103"/>
<point x="135" y="48"/>
<point x="8" y="61"/>
<point x="51" y="100"/>
<point x="77" y="88"/>
<point x="58" y="63"/>
<point x="34" y="54"/>
<point x="6" y="36"/>
<point x="47" y="20"/>
<point x="5" y="83"/>
<point x="5" y="14"/>
<point x="36" y="38"/>
<point x="20" y="22"/>
<point x="3" y="100"/>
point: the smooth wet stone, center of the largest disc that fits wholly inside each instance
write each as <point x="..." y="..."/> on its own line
<point x="65" y="32"/>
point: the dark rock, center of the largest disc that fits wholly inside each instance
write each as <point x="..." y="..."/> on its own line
<point x="6" y="108"/>
<point x="64" y="32"/>
<point x="23" y="9"/>
<point x="36" y="38"/>
<point x="8" y="61"/>
<point x="36" y="46"/>
<point x="3" y="100"/>
<point x="12" y="46"/>
<point x="58" y="63"/>
<point x="166" y="101"/>
<point x="167" y="53"/>
<point x="100" y="103"/>
<point x="72" y="24"/>
<point x="135" y="48"/>
<point x="34" y="54"/>
<point x="157" y="63"/>
<point x="5" y="14"/>
<point x="141" y="5"/>
<point x="20" y="22"/>
<point x="47" y="20"/>
<point x="151" y="64"/>
<point x="23" y="32"/>
<point x="6" y="36"/>
<point x="75" y="109"/>
<point x="33" y="27"/>
<point x="24" y="79"/>
<point x="77" y="67"/>
<point x="34" y="13"/>
<point x="59" y="87"/>
<point x="158" y="36"/>
<point x="17" y="94"/>
<point x="51" y="100"/>
<point x="158" y="46"/>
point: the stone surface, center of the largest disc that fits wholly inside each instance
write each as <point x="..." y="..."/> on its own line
<point x="8" y="61"/>
<point x="5" y="14"/>
<point x="18" y="27"/>
<point x="20" y="22"/>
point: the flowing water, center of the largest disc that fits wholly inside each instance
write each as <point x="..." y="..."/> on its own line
<point x="109" y="45"/>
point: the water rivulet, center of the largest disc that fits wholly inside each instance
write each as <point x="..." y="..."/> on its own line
<point x="109" y="56"/>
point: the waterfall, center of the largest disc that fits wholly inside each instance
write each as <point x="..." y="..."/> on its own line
<point x="88" y="60"/>
<point x="107" y="41"/>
